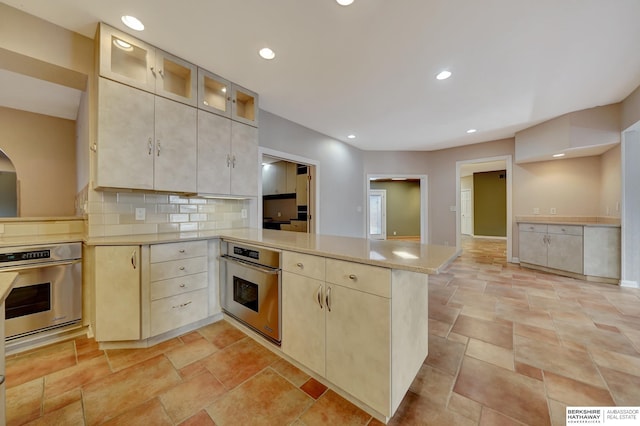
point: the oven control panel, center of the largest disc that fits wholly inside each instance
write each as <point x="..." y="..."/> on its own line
<point x="25" y="255"/>
<point x="245" y="252"/>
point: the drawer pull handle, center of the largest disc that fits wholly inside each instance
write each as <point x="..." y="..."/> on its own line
<point x="181" y="250"/>
<point x="300" y="265"/>
<point x="183" y="285"/>
<point x="182" y="268"/>
<point x="563" y="230"/>
<point x="353" y="277"/>
<point x="182" y="305"/>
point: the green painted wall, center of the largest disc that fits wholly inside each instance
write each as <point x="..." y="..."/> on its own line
<point x="403" y="207"/>
<point x="490" y="204"/>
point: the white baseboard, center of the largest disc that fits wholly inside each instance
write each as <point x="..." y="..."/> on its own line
<point x="629" y="284"/>
<point x="515" y="260"/>
<point x="488" y="237"/>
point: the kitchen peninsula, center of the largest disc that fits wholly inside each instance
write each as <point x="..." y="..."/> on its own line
<point x="367" y="341"/>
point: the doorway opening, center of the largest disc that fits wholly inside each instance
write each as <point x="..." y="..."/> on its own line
<point x="397" y="207"/>
<point x="483" y="201"/>
<point x="287" y="192"/>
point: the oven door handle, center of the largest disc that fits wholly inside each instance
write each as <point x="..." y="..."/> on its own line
<point x="20" y="268"/>
<point x="249" y="265"/>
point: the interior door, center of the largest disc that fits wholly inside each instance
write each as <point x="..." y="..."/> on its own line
<point x="378" y="214"/>
<point x="466" y="212"/>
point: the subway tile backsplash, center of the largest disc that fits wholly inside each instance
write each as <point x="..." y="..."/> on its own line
<point x="114" y="213"/>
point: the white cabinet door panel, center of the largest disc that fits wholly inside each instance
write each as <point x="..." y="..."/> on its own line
<point x="214" y="143"/>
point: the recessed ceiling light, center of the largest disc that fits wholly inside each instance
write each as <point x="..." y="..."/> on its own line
<point x="558" y="155"/>
<point x="351" y="136"/>
<point x="122" y="44"/>
<point x="472" y="130"/>
<point x="132" y="22"/>
<point x="344" y="2"/>
<point x="267" y="53"/>
<point x="443" y="75"/>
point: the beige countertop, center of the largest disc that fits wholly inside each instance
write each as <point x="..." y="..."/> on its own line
<point x="423" y="258"/>
<point x="571" y="220"/>
<point x="30" y="240"/>
<point x="6" y="284"/>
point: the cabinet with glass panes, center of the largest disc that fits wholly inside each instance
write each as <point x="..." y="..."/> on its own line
<point x="222" y="97"/>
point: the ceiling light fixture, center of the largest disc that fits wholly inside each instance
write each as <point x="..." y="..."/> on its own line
<point x="132" y="22"/>
<point x="443" y="75"/>
<point x="558" y="155"/>
<point x="266" y="53"/>
<point x="351" y="136"/>
<point x="472" y="130"/>
<point x="344" y="2"/>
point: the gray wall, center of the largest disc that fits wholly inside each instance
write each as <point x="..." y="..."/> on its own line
<point x="342" y="190"/>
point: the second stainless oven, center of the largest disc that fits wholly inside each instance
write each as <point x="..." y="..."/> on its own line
<point x="250" y="287"/>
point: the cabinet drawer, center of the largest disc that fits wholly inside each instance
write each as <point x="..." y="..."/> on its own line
<point x="532" y="227"/>
<point x="367" y="278"/>
<point x="565" y="229"/>
<point x="304" y="264"/>
<point x="178" y="268"/>
<point x="175" y="251"/>
<point x="174" y="286"/>
<point x="174" y="312"/>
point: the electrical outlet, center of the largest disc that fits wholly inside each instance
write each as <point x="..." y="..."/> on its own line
<point x="395" y="233"/>
<point x="552" y="210"/>
<point x="279" y="214"/>
<point x="140" y="213"/>
<point x="244" y="213"/>
<point x="536" y="210"/>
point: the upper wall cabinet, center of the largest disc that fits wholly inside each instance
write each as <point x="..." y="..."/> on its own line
<point x="220" y="96"/>
<point x="131" y="61"/>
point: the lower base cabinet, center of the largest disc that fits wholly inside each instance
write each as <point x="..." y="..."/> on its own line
<point x="339" y="321"/>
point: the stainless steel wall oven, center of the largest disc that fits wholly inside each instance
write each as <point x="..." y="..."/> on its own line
<point x="250" y="288"/>
<point x="48" y="290"/>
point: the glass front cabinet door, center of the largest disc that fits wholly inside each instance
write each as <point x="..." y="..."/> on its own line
<point x="125" y="59"/>
<point x="220" y="96"/>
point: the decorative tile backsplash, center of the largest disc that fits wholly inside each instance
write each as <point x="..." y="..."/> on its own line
<point x="114" y="213"/>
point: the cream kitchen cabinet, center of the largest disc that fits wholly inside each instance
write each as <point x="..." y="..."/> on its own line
<point x="144" y="141"/>
<point x="222" y="97"/>
<point x="133" y="62"/>
<point x="345" y="324"/>
<point x="602" y="251"/>
<point x="554" y="246"/>
<point x="279" y="177"/>
<point x="227" y="156"/>
<point x="178" y="290"/>
<point x="117" y="294"/>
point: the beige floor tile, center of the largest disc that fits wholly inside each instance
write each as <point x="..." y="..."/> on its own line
<point x="186" y="399"/>
<point x="332" y="409"/>
<point x="237" y="362"/>
<point x="266" y="399"/>
<point x="465" y="406"/>
<point x="492" y="354"/>
<point x="438" y="328"/>
<point x="69" y="415"/>
<point x="76" y="376"/>
<point x="488" y="331"/>
<point x="60" y="400"/>
<point x="537" y="333"/>
<point x="201" y="418"/>
<point x="491" y="417"/>
<point x="24" y="401"/>
<point x="146" y="414"/>
<point x="192" y="350"/>
<point x="593" y="336"/>
<point x="558" y="413"/>
<point x="559" y="360"/>
<point x="120" y="359"/>
<point x="221" y="334"/>
<point x="290" y="372"/>
<point x="574" y="393"/>
<point x="23" y="368"/>
<point x="624" y="387"/>
<point x="444" y="355"/>
<point x="433" y="384"/>
<point x="507" y="392"/>
<point x="128" y="388"/>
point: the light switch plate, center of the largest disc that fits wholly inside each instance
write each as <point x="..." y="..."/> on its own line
<point x="140" y="213"/>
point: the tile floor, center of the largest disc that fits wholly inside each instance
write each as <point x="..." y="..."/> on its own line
<point x="508" y="346"/>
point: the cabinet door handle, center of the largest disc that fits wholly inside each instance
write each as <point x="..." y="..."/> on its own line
<point x="328" y="299"/>
<point x="161" y="72"/>
<point x="233" y="161"/>
<point x="228" y="160"/>
<point x="133" y="260"/>
<point x="300" y="265"/>
<point x="181" y="268"/>
<point x="319" y="294"/>
<point x="182" y="285"/>
<point x="158" y="152"/>
<point x="150" y="145"/>
<point x="181" y="250"/>
<point x="153" y="71"/>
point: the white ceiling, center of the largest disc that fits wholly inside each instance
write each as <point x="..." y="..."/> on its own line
<point x="369" y="68"/>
